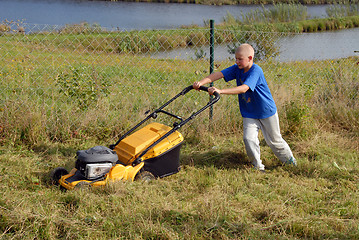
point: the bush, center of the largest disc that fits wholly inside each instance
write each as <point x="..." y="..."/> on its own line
<point x="165" y="43"/>
<point x="329" y="25"/>
<point x="196" y="39"/>
<point x="83" y="85"/>
<point x="81" y="28"/>
<point x="4" y="28"/>
<point x="297" y="118"/>
<point x="321" y="25"/>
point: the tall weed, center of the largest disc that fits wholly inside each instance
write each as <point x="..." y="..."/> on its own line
<point x="276" y="13"/>
<point x="337" y="100"/>
<point x="345" y="9"/>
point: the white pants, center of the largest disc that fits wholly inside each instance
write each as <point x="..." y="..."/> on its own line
<point x="272" y="136"/>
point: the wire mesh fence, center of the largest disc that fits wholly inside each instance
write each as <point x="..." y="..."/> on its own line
<point x="79" y="81"/>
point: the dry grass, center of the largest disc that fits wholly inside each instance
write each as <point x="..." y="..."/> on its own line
<point x="216" y="195"/>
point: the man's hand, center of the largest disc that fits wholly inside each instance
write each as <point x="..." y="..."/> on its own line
<point x="196" y="85"/>
<point x="209" y="79"/>
<point x="211" y="90"/>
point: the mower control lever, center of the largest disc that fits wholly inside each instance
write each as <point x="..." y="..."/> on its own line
<point x="170" y="114"/>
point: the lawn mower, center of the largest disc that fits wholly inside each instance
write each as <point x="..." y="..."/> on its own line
<point x="146" y="154"/>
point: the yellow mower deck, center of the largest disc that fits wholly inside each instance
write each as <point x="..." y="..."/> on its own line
<point x="117" y="173"/>
<point x="128" y="150"/>
<point x="130" y="147"/>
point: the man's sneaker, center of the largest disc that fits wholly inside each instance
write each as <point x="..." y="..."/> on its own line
<point x="291" y="161"/>
<point x="259" y="170"/>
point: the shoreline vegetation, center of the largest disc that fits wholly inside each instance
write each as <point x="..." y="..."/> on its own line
<point x="241" y="2"/>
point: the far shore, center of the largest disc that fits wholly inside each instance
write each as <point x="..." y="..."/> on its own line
<point x="236" y="2"/>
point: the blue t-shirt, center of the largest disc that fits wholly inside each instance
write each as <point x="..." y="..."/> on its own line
<point x="257" y="102"/>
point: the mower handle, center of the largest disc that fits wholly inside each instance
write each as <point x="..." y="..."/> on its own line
<point x="154" y="115"/>
<point x="203" y="88"/>
<point x="179" y="125"/>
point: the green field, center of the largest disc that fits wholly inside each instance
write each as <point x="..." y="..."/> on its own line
<point x="57" y="99"/>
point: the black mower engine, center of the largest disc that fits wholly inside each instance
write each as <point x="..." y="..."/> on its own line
<point x="95" y="162"/>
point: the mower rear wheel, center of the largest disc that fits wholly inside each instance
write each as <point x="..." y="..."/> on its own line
<point x="57" y="173"/>
<point x="145" y="176"/>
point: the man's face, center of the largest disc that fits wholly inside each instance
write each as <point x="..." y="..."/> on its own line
<point x="242" y="61"/>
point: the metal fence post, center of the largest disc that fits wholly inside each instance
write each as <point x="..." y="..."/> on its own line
<point x="211" y="60"/>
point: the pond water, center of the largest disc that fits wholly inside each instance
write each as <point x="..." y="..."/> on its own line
<point x="122" y="15"/>
<point x="137" y="15"/>
<point x="306" y="46"/>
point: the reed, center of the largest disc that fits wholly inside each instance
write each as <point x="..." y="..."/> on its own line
<point x="244" y="2"/>
<point x="343" y="10"/>
<point x="277" y="13"/>
<point x="311" y="25"/>
<point x="247" y="2"/>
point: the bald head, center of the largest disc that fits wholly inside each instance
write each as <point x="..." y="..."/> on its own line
<point x="245" y="50"/>
<point x="244" y="56"/>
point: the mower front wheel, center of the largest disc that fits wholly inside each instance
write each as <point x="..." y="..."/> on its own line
<point x="145" y="176"/>
<point x="57" y="173"/>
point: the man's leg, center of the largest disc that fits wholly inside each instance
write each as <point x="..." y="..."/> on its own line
<point x="251" y="142"/>
<point x="271" y="132"/>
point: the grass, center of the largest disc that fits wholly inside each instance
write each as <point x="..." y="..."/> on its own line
<point x="45" y="119"/>
<point x="216" y="195"/>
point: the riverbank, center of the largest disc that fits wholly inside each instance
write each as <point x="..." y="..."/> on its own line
<point x="238" y="2"/>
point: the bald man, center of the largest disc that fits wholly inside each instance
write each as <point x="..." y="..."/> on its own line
<point x="256" y="105"/>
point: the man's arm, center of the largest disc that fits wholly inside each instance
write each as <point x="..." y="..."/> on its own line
<point x="209" y="79"/>
<point x="236" y="90"/>
<point x="214" y="77"/>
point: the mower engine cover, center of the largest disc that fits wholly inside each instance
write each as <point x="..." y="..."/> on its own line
<point x="95" y="162"/>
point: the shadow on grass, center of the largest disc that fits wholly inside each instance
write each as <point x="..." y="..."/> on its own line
<point x="54" y="156"/>
<point x="230" y="160"/>
<point x="224" y="160"/>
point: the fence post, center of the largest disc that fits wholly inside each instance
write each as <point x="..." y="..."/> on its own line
<point x="211" y="60"/>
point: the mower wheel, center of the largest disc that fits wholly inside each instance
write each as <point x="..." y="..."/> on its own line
<point x="145" y="176"/>
<point x="83" y="185"/>
<point x="57" y="173"/>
